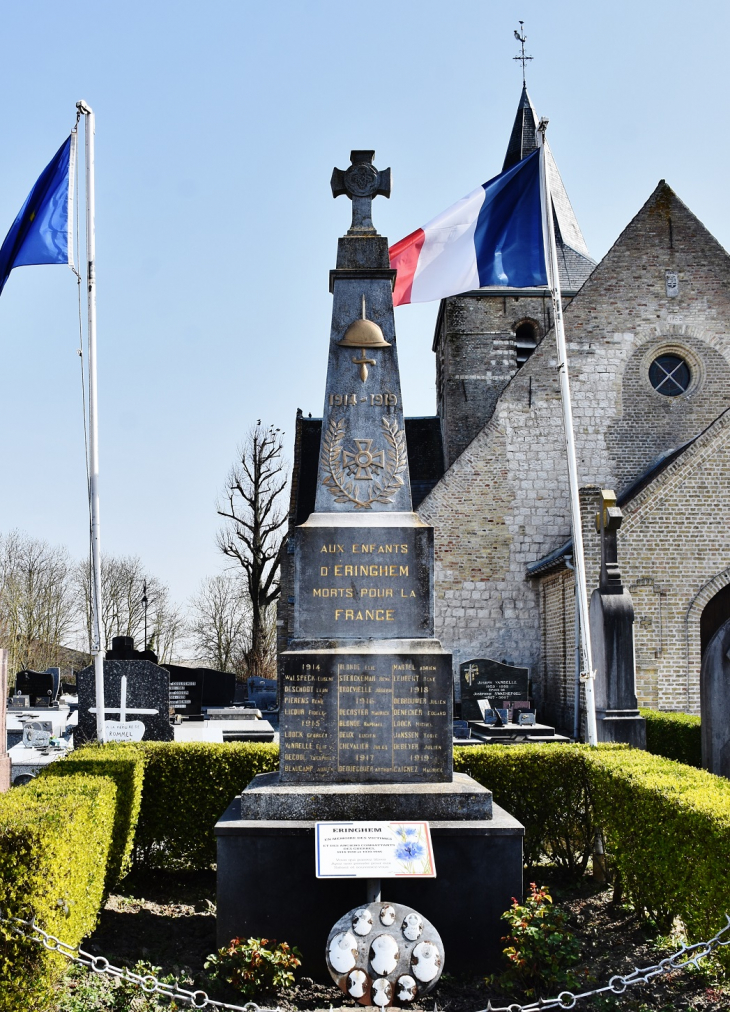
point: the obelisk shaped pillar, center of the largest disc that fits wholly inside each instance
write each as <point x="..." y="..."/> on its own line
<point x="363" y="465"/>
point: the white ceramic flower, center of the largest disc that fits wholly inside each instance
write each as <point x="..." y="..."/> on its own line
<point x="384" y="954"/>
<point x="357" y="983"/>
<point x="382" y="992"/>
<point x="387" y="915"/>
<point x="362" y="921"/>
<point x="412" y="926"/>
<point x="343" y="951"/>
<point x="426" y="961"/>
<point x="407" y="988"/>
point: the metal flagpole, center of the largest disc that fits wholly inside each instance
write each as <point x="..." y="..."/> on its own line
<point x="551" y="257"/>
<point x="97" y="638"/>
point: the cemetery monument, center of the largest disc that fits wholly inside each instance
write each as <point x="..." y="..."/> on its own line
<point x="366" y="694"/>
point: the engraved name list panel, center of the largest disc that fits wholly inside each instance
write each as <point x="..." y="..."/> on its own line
<point x="349" y="718"/>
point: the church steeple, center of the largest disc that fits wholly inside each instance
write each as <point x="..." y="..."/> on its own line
<point x="523" y="139"/>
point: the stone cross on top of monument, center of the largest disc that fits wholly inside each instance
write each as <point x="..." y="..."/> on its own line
<point x="361" y="182"/>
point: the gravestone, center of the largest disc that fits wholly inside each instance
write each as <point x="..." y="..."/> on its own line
<point x="612" y="636"/>
<point x="41" y="686"/>
<point x="715" y="701"/>
<point x="262" y="692"/>
<point x="186" y="690"/>
<point x="483" y="678"/>
<point x="366" y="690"/>
<point x="136" y="702"/>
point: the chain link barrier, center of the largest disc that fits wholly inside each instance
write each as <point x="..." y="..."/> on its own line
<point x="99" y="964"/>
<point x="685" y="956"/>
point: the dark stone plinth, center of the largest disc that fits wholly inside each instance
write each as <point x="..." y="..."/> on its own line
<point x="627" y="726"/>
<point x="147" y="689"/>
<point x="483" y="678"/>
<point x="354" y="581"/>
<point x="366" y="717"/>
<point x="267" y="798"/>
<point x="267" y="887"/>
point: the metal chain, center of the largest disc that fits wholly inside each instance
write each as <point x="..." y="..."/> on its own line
<point x="99" y="964"/>
<point x="618" y="983"/>
<point x="686" y="955"/>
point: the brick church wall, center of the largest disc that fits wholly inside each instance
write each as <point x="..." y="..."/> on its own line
<point x="674" y="551"/>
<point x="503" y="504"/>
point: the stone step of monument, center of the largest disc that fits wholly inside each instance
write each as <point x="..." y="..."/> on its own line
<point x="461" y="798"/>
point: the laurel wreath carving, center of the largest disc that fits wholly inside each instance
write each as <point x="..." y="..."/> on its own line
<point x="344" y="489"/>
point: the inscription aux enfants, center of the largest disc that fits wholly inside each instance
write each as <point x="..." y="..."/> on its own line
<point x="354" y="584"/>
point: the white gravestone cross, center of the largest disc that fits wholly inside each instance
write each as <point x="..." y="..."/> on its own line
<point x="123" y="729"/>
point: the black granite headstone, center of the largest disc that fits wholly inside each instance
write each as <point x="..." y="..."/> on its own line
<point x="492" y="680"/>
<point x="41" y="686"/>
<point x="219" y="687"/>
<point x="136" y="702"/>
<point x="186" y="690"/>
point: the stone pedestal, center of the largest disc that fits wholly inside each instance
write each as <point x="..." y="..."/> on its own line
<point x="612" y="635"/>
<point x="266" y="866"/>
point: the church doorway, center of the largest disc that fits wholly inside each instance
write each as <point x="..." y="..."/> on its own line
<point x="715" y="683"/>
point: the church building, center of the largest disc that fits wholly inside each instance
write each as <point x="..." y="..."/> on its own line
<point x="648" y="336"/>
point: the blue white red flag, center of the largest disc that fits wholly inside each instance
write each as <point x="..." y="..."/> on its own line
<point x="493" y="237"/>
<point x="42" y="232"/>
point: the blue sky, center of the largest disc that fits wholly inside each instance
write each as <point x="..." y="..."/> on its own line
<point x="217" y="129"/>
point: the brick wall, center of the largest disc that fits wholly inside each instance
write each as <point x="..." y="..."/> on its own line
<point x="503" y="503"/>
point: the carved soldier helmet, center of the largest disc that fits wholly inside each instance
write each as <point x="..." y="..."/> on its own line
<point x="364" y="334"/>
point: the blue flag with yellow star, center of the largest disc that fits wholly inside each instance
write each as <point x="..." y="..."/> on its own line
<point x="42" y="232"/>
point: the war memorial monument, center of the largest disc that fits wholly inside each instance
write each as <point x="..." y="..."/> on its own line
<point x="366" y="694"/>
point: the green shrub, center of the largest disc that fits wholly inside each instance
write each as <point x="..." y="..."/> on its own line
<point x="124" y="763"/>
<point x="55" y="837"/>
<point x="541" y="948"/>
<point x="674" y="735"/>
<point x="254" y="966"/>
<point x="188" y="786"/>
<point x="545" y="787"/>
<point x="667" y="827"/>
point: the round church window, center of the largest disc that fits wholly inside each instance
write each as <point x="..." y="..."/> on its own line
<point x="669" y="375"/>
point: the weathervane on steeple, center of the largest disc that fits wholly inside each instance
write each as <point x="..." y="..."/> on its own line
<point x="522" y="39"/>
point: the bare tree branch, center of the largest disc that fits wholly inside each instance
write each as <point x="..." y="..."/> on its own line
<point x="254" y="515"/>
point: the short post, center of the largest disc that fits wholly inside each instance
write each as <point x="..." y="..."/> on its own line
<point x="373" y="890"/>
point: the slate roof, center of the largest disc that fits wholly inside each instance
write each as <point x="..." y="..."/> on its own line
<point x="425" y="461"/>
<point x="574" y="261"/>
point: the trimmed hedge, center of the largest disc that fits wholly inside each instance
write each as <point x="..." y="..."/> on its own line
<point x="547" y="788"/>
<point x="667" y="827"/>
<point x="188" y="786"/>
<point x="124" y="764"/>
<point x="55" y="837"/>
<point x="674" y="735"/>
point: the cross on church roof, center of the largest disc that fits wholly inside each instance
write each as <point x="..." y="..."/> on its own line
<point x="361" y="182"/>
<point x="522" y="39"/>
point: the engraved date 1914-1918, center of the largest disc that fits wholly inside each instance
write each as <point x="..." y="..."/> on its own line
<point x="373" y="400"/>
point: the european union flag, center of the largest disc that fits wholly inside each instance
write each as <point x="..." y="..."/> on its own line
<point x="41" y="234"/>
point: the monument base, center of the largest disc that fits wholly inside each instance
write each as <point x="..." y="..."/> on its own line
<point x="626" y="726"/>
<point x="266" y="868"/>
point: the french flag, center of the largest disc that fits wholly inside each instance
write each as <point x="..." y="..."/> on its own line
<point x="492" y="237"/>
